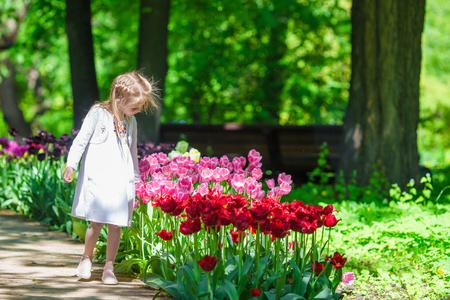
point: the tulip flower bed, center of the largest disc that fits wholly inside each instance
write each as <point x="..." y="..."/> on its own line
<point x="201" y="231"/>
<point x="222" y="236"/>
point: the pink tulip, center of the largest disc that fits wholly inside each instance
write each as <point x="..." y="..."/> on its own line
<point x="202" y="189"/>
<point x="185" y="184"/>
<point x="153" y="161"/>
<point x="182" y="172"/>
<point x="167" y="170"/>
<point x="257" y="173"/>
<point x="273" y="193"/>
<point x="237" y="183"/>
<point x="254" y="156"/>
<point x="250" y="185"/>
<point x="270" y="183"/>
<point x="206" y="175"/>
<point x="205" y="162"/>
<point x="163" y="159"/>
<point x="285" y="188"/>
<point x="214" y="161"/>
<point x="144" y="166"/>
<point x="348" y="278"/>
<point x="239" y="162"/>
<point x="224" y="160"/>
<point x="136" y="203"/>
<point x="218" y="189"/>
<point x="284" y="178"/>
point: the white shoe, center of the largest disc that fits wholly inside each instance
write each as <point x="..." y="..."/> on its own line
<point x="84" y="267"/>
<point x="108" y="276"/>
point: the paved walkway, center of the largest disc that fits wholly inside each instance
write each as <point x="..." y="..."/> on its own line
<point x="38" y="264"/>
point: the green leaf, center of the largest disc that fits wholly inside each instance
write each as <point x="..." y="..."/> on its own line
<point x="218" y="271"/>
<point x="296" y="277"/>
<point x="280" y="284"/>
<point x="262" y="265"/>
<point x="242" y="283"/>
<point x="305" y="281"/>
<point x="247" y="265"/>
<point x="169" y="287"/>
<point x="271" y="295"/>
<point x="324" y="294"/>
<point x="291" y="296"/>
<point x="230" y="289"/>
<point x="190" y="279"/>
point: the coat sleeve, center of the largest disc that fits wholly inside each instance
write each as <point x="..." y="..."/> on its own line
<point x="133" y="148"/>
<point x="82" y="139"/>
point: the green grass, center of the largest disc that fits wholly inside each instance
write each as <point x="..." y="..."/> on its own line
<point x="400" y="251"/>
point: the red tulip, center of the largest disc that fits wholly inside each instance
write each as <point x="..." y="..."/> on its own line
<point x="225" y="217"/>
<point x="210" y="219"/>
<point x="168" y="203"/>
<point x="208" y="263"/>
<point x="167" y="236"/>
<point x="308" y="227"/>
<point x="235" y="235"/>
<point x="318" y="267"/>
<point x="330" y="221"/>
<point x="337" y="260"/>
<point x="279" y="227"/>
<point x="328" y="209"/>
<point x="241" y="220"/>
<point x="256" y="292"/>
<point x="190" y="226"/>
<point x="259" y="211"/>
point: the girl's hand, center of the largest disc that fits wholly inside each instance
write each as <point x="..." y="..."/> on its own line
<point x="69" y="174"/>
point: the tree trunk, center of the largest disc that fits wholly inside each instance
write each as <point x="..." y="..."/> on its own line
<point x="273" y="83"/>
<point x="9" y="101"/>
<point x="383" y="111"/>
<point x="152" y="59"/>
<point x="81" y="53"/>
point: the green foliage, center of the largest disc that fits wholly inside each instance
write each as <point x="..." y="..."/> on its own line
<point x="249" y="54"/>
<point x="36" y="189"/>
<point x="285" y="62"/>
<point x="433" y="137"/>
<point x="401" y="250"/>
<point x="379" y="190"/>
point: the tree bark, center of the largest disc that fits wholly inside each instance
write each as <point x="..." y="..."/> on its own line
<point x="380" y="125"/>
<point x="9" y="101"/>
<point x="273" y="83"/>
<point x="152" y="59"/>
<point x="81" y="53"/>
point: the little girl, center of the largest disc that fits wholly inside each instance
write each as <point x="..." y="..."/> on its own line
<point x="107" y="147"/>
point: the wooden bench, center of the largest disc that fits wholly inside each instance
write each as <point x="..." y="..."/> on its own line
<point x="290" y="149"/>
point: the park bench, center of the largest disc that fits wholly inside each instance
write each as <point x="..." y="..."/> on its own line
<point x="290" y="149"/>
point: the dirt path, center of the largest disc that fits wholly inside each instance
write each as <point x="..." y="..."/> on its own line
<point x="38" y="264"/>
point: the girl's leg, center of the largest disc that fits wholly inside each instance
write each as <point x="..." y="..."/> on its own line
<point x="112" y="246"/>
<point x="92" y="234"/>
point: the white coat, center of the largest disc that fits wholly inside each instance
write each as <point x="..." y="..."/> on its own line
<point x="105" y="190"/>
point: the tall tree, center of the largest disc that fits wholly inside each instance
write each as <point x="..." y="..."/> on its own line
<point x="81" y="52"/>
<point x="152" y="59"/>
<point x="381" y="120"/>
<point x="272" y="82"/>
<point x="9" y="99"/>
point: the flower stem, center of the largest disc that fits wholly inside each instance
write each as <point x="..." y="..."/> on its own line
<point x="257" y="255"/>
<point x="141" y="221"/>
<point x="209" y="286"/>
<point x="329" y="241"/>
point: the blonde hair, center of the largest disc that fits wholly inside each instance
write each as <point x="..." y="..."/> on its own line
<point x="130" y="88"/>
